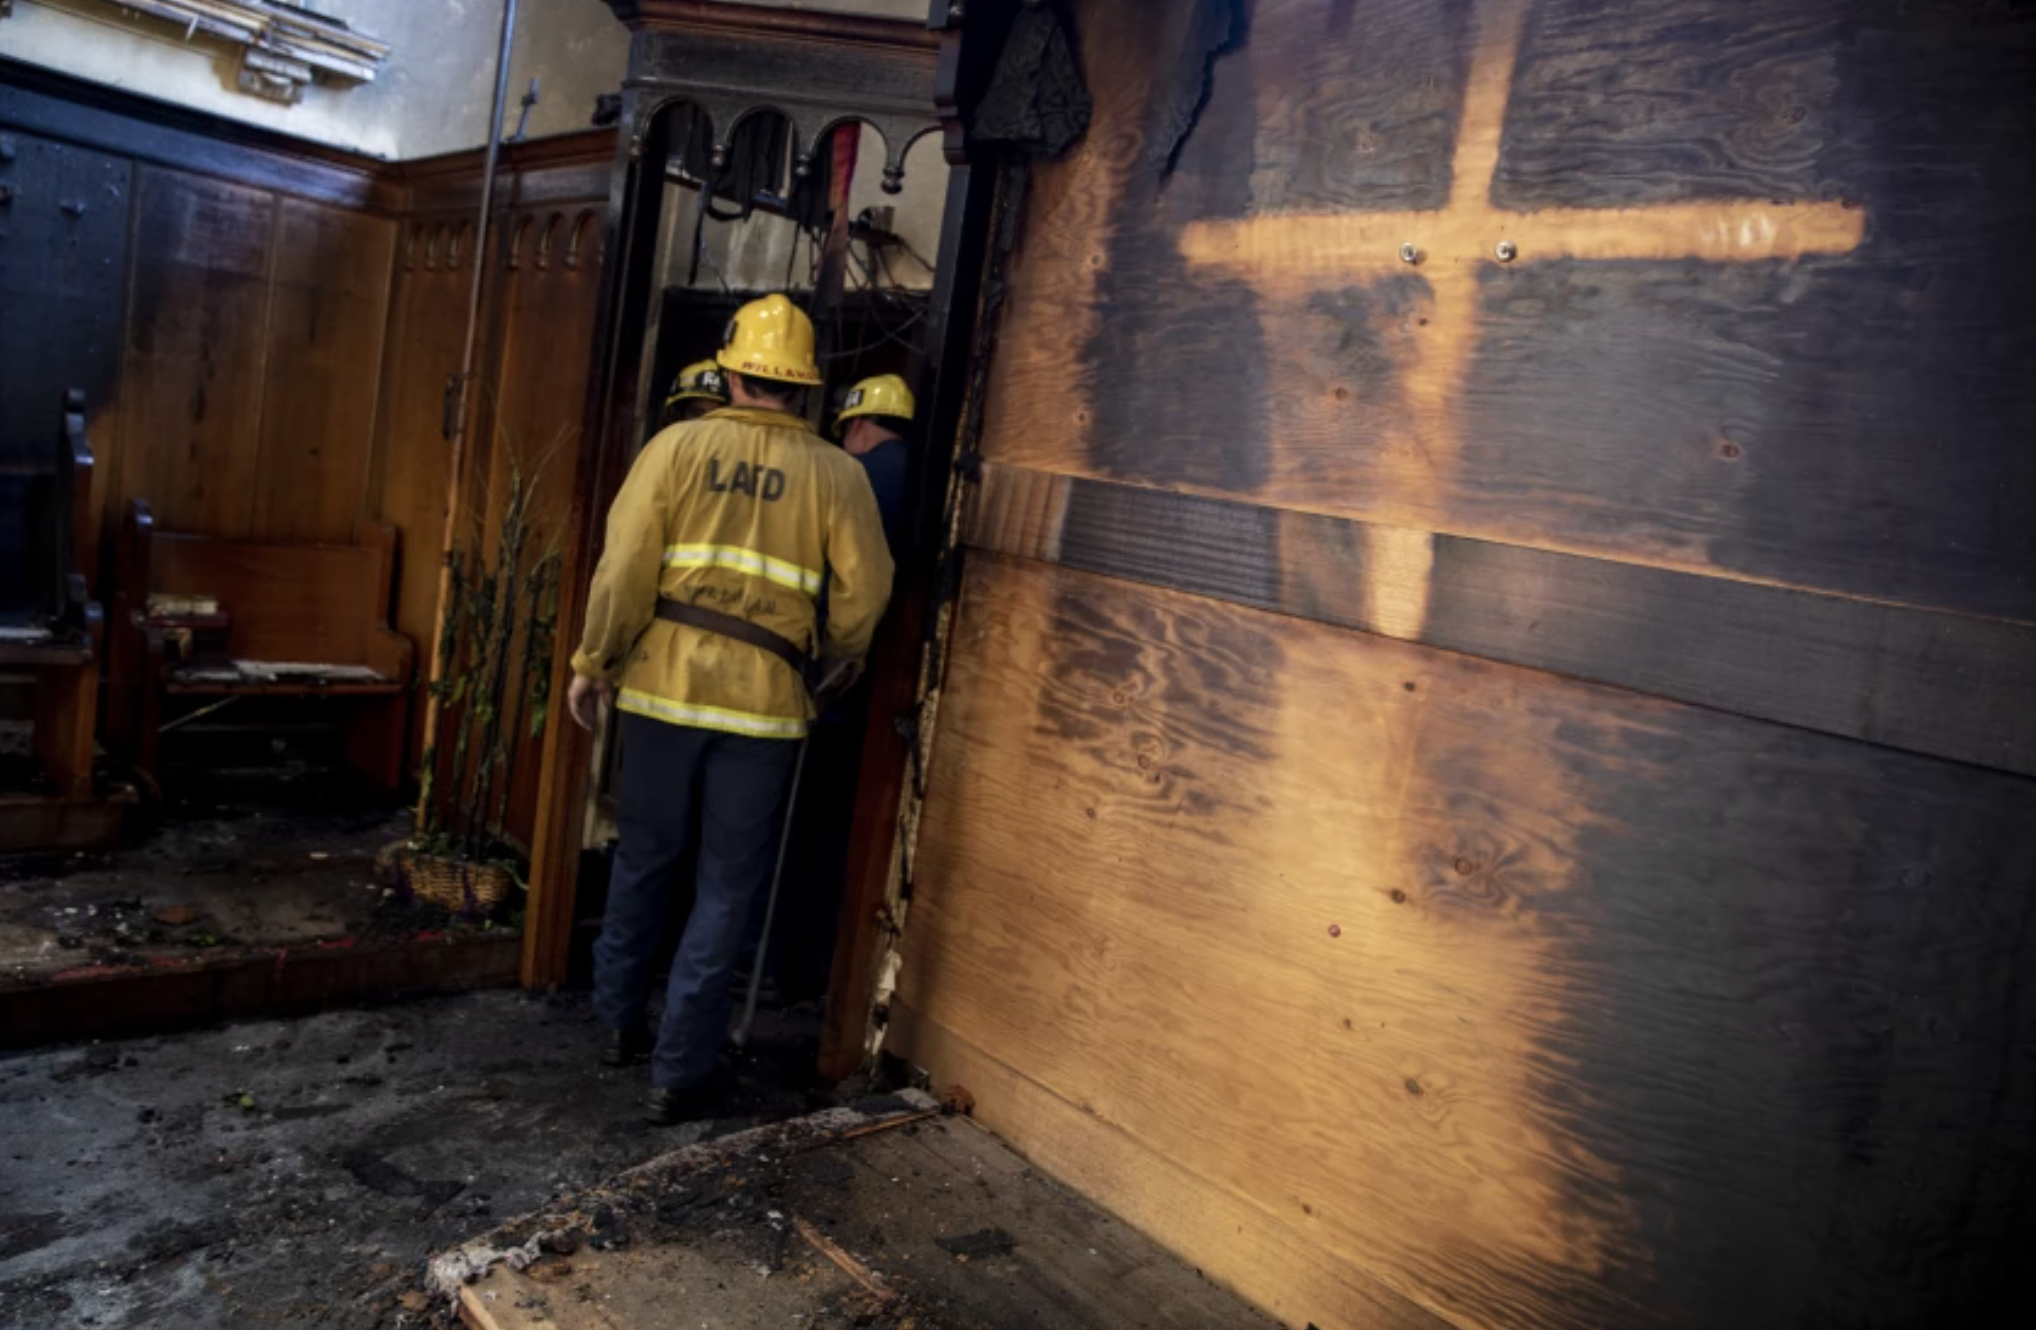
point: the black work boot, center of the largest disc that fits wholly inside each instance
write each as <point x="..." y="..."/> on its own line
<point x="624" y="1048"/>
<point x="665" y="1107"/>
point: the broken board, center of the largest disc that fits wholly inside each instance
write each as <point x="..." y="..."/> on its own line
<point x="890" y="1218"/>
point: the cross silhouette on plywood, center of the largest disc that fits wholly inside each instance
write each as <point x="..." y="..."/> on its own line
<point x="1292" y="254"/>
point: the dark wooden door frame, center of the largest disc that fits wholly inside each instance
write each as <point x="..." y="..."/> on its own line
<point x="629" y="240"/>
<point x="886" y="788"/>
<point x="819" y="71"/>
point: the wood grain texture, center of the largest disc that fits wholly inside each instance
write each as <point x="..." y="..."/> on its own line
<point x="1063" y="254"/>
<point x="328" y="313"/>
<point x="275" y="368"/>
<point x="1355" y="133"/>
<point x="197" y="344"/>
<point x="312" y="603"/>
<point x="622" y="314"/>
<point x="1947" y="685"/>
<point x="543" y="340"/>
<point x="1765" y="316"/>
<point x="411" y="470"/>
<point x="1229" y="1240"/>
<point x="1535" y="1002"/>
<point x="303" y="603"/>
<point x="571" y="169"/>
<point x="67" y="713"/>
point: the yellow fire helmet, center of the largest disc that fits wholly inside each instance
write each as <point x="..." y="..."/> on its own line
<point x="770" y="338"/>
<point x="885" y="395"/>
<point x="700" y="381"/>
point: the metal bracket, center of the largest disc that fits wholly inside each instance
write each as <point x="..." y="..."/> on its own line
<point x="523" y="121"/>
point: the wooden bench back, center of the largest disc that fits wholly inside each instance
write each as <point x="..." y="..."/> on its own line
<point x="45" y="502"/>
<point x="312" y="603"/>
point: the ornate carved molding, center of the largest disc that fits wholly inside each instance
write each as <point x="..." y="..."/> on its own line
<point x="816" y="70"/>
<point x="762" y="21"/>
<point x="283" y="48"/>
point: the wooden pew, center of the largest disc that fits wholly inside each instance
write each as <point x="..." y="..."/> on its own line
<point x="48" y="621"/>
<point x="301" y="621"/>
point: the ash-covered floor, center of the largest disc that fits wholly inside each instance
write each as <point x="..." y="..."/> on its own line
<point x="889" y="1214"/>
<point x="300" y="1172"/>
<point x="238" y="861"/>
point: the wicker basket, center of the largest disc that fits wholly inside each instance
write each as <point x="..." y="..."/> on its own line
<point x="457" y="884"/>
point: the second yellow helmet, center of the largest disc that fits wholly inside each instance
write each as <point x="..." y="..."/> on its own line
<point x="703" y="381"/>
<point x="771" y="338"/>
<point x="884" y="395"/>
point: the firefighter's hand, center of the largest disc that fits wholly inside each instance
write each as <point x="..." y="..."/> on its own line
<point x="837" y="676"/>
<point x="584" y="700"/>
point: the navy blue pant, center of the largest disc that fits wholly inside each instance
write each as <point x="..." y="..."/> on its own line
<point x="738" y="787"/>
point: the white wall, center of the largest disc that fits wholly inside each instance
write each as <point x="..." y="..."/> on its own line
<point x="432" y="96"/>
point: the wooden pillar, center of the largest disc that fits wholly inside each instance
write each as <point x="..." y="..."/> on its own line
<point x="564" y="768"/>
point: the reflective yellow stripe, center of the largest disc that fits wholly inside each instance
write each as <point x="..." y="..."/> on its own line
<point x="711" y="718"/>
<point x="744" y="561"/>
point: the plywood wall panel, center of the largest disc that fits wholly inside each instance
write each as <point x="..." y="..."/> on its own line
<point x="328" y="314"/>
<point x="1229" y="1237"/>
<point x="1537" y="1003"/>
<point x="197" y="348"/>
<point x="1763" y="318"/>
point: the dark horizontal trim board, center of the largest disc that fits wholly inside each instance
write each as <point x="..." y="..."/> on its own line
<point x="564" y="168"/>
<point x="72" y="110"/>
<point x="1946" y="685"/>
<point x="279" y="981"/>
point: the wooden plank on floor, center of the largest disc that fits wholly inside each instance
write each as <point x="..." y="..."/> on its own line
<point x="122" y="1001"/>
<point x="1927" y="681"/>
<point x="908" y="1225"/>
<point x="33" y="822"/>
<point x="1069" y="1262"/>
<point x="1536" y="1002"/>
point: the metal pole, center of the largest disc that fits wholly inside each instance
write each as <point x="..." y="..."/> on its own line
<point x="455" y="420"/>
<point x="740" y="1036"/>
<point x="494" y="156"/>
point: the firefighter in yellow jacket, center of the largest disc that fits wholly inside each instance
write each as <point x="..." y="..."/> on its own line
<point x="721" y="544"/>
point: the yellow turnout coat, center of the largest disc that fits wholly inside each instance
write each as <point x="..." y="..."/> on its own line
<point x="748" y="512"/>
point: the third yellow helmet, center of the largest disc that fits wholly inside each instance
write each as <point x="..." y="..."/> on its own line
<point x="885" y="395"/>
<point x="771" y="338"/>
